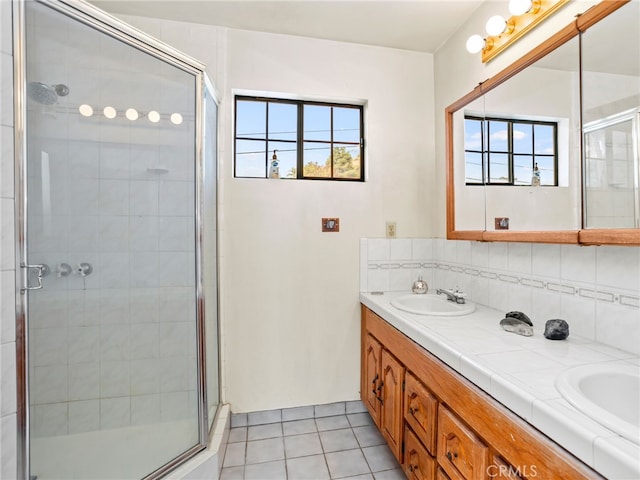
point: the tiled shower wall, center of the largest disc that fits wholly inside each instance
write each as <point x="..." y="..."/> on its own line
<point x="8" y="434"/>
<point x="595" y="289"/>
<point x="115" y="348"/>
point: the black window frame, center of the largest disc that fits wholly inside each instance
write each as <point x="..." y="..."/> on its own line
<point x="485" y="150"/>
<point x="300" y="140"/>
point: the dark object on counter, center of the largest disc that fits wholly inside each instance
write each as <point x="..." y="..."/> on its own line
<point x="556" y="329"/>
<point x="520" y="316"/>
<point x="515" y="325"/>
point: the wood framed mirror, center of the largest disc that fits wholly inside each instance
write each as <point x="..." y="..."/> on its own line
<point x="557" y="108"/>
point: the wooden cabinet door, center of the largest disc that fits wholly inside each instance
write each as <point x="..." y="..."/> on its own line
<point x="503" y="471"/>
<point x="371" y="396"/>
<point x="460" y="452"/>
<point x="392" y="373"/>
<point x="418" y="463"/>
<point x="441" y="475"/>
<point x="420" y="411"/>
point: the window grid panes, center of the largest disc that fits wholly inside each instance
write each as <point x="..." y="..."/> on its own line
<point x="501" y="151"/>
<point x="312" y="140"/>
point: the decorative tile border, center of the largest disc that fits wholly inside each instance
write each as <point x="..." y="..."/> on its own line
<point x="629" y="301"/>
<point x="563" y="288"/>
<point x="395" y="265"/>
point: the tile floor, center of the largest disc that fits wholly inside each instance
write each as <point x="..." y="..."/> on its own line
<point x="318" y="442"/>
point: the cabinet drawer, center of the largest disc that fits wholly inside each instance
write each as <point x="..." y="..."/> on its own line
<point x="418" y="463"/>
<point x="420" y="410"/>
<point x="460" y="452"/>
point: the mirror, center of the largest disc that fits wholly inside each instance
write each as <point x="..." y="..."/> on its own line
<point x="514" y="145"/>
<point x="611" y="116"/>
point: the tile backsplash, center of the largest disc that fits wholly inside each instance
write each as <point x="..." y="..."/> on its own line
<point x="595" y="289"/>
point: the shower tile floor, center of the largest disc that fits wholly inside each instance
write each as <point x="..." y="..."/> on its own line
<point x="321" y="442"/>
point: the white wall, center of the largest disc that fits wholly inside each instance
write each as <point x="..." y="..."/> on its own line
<point x="291" y="307"/>
<point x="289" y="294"/>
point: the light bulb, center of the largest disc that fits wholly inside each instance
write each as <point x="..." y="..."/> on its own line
<point x="176" y="118"/>
<point x="153" y="116"/>
<point x="475" y="43"/>
<point x="496" y="25"/>
<point x="520" y="7"/>
<point x="131" y="114"/>
<point x="109" y="112"/>
<point x="85" y="110"/>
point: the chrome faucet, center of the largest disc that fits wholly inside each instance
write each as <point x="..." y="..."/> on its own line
<point x="455" y="296"/>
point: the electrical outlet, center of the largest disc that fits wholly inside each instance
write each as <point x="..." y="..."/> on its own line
<point x="391" y="229"/>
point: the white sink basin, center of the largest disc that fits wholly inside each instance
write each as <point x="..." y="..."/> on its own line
<point x="607" y="393"/>
<point x="429" y="304"/>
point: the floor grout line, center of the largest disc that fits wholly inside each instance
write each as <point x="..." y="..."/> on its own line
<point x="286" y="459"/>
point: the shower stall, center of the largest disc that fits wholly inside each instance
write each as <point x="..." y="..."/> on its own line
<point x="116" y="221"/>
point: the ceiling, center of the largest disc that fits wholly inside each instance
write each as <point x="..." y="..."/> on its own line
<point x="420" y="25"/>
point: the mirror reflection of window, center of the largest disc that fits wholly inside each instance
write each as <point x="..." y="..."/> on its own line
<point x="504" y="151"/>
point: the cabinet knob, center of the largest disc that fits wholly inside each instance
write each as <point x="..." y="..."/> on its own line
<point x="412" y="410"/>
<point x="410" y="468"/>
<point x="450" y="457"/>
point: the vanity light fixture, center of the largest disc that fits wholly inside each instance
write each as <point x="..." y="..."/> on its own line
<point x="497" y="25"/>
<point x="153" y="116"/>
<point x="86" y="110"/>
<point x="526" y="14"/>
<point x="131" y="114"/>
<point x="109" y="112"/>
<point x="476" y="44"/>
<point x="520" y="7"/>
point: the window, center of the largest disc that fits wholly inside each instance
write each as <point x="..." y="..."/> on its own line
<point x="312" y="140"/>
<point x="501" y="151"/>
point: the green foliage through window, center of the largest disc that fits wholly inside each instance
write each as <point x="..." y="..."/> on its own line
<point x="312" y="140"/>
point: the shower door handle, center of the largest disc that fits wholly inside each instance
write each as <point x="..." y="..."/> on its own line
<point x="41" y="269"/>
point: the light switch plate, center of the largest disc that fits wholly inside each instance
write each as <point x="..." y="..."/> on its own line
<point x="502" y="223"/>
<point x="330" y="224"/>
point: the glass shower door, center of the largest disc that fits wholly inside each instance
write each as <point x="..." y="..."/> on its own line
<point x="612" y="171"/>
<point x="113" y="329"/>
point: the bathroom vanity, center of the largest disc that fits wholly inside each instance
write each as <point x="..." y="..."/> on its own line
<point x="459" y="398"/>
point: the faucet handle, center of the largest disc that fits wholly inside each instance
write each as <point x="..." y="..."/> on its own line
<point x="459" y="295"/>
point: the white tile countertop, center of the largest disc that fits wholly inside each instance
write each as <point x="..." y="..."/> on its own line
<point x="520" y="373"/>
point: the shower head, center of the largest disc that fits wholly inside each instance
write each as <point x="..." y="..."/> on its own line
<point x="46" y="94"/>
